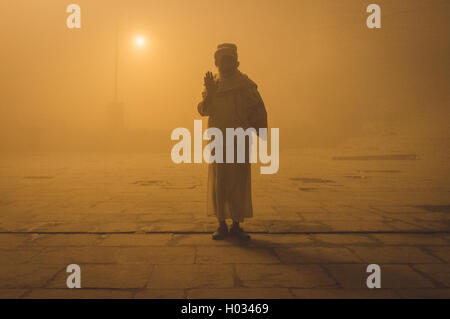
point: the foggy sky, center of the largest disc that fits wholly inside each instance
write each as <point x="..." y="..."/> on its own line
<point x="322" y="73"/>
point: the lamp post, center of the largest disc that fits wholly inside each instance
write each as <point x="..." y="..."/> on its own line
<point x="116" y="114"/>
<point x="116" y="121"/>
<point x="116" y="63"/>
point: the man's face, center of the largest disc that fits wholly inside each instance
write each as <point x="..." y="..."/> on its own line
<point x="227" y="64"/>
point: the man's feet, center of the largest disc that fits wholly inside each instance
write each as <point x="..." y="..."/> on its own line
<point x="238" y="232"/>
<point x="221" y="232"/>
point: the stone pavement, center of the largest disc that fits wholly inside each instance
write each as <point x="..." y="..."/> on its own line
<point x="136" y="225"/>
<point x="167" y="265"/>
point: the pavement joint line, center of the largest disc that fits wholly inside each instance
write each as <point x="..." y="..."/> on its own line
<point x="435" y="282"/>
<point x="430" y="252"/>
<point x="329" y="274"/>
<point x="195" y="254"/>
<point x="147" y="283"/>
<point x="27" y="292"/>
<point x="55" y="275"/>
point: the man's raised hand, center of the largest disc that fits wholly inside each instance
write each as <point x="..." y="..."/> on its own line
<point x="210" y="83"/>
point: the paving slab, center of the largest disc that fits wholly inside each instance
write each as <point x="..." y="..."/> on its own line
<point x="198" y="240"/>
<point x="303" y="276"/>
<point x="357" y="226"/>
<point x="343" y="239"/>
<point x="235" y="254"/>
<point x="274" y="240"/>
<point x="66" y="240"/>
<point x="354" y="276"/>
<point x="27" y="275"/>
<point x="10" y="241"/>
<point x="76" y="255"/>
<point x="79" y="294"/>
<point x="160" y="294"/>
<point x="438" y="272"/>
<point x="424" y="293"/>
<point x="294" y="226"/>
<point x="410" y="239"/>
<point x="345" y="293"/>
<point x="18" y="256"/>
<point x="191" y="276"/>
<point x="122" y="240"/>
<point x="393" y="254"/>
<point x="316" y="255"/>
<point x="156" y="255"/>
<point x="441" y="252"/>
<point x="104" y="276"/>
<point x="240" y="293"/>
<point x="12" y="293"/>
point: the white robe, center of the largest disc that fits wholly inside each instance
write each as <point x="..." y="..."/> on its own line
<point x="236" y="103"/>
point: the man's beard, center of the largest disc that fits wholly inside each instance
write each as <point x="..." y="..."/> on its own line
<point x="227" y="72"/>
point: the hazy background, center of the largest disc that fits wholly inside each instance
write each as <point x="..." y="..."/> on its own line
<point x="323" y="75"/>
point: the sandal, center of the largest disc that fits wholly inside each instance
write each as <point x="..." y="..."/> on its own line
<point x="221" y="232"/>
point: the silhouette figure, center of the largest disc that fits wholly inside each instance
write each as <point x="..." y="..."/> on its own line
<point x="231" y="100"/>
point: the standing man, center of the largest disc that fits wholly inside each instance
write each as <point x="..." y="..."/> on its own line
<point x="231" y="100"/>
